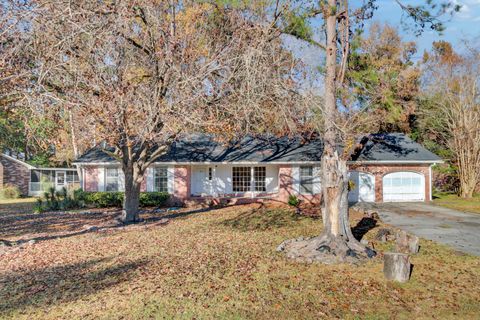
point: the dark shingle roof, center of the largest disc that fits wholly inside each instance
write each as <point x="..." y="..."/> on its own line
<point x="204" y="148"/>
<point x="393" y="147"/>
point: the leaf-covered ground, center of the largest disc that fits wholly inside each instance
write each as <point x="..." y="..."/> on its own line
<point x="210" y="265"/>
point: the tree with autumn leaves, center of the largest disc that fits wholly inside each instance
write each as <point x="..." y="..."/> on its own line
<point x="449" y="120"/>
<point x="139" y="74"/>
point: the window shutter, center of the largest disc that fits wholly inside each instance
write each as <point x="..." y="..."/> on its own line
<point x="296" y="180"/>
<point x="101" y="178"/>
<point x="121" y="180"/>
<point x="317" y="186"/>
<point x="171" y="179"/>
<point x="150" y="173"/>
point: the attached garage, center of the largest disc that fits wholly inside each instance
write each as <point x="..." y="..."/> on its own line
<point x="403" y="186"/>
<point x="363" y="187"/>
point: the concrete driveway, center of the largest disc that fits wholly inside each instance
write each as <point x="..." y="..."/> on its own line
<point x="460" y="230"/>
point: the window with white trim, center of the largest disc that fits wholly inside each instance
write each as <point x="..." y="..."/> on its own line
<point x="306" y="179"/>
<point x="160" y="179"/>
<point x="111" y="179"/>
<point x="259" y="175"/>
<point x="72" y="177"/>
<point x="241" y="178"/>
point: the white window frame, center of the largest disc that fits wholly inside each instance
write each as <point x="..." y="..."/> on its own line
<point x="244" y="179"/>
<point x="308" y="179"/>
<point x="249" y="178"/>
<point x="260" y="179"/>
<point x="107" y="178"/>
<point x="155" y="184"/>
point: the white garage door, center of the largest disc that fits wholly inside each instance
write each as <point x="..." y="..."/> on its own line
<point x="403" y="186"/>
<point x="364" y="187"/>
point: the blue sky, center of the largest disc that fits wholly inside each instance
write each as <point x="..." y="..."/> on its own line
<point x="463" y="25"/>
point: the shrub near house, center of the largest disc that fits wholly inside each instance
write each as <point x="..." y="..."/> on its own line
<point x="115" y="199"/>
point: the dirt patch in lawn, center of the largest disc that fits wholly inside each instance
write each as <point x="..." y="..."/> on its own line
<point x="221" y="264"/>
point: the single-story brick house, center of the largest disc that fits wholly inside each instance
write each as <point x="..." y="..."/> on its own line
<point x="388" y="167"/>
<point x="34" y="181"/>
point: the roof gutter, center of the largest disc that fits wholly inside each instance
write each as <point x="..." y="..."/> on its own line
<point x="263" y="162"/>
<point x="396" y="162"/>
<point x="201" y="163"/>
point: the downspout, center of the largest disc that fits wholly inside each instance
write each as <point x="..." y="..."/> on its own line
<point x="430" y="177"/>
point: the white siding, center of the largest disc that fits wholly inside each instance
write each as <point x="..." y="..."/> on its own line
<point x="121" y="180"/>
<point x="272" y="178"/>
<point x="171" y="179"/>
<point x="317" y="187"/>
<point x="149" y="179"/>
<point x="101" y="179"/>
<point x="296" y="179"/>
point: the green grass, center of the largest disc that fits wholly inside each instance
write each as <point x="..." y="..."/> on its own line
<point x="20" y="205"/>
<point x="18" y="201"/>
<point x="453" y="201"/>
<point x="219" y="264"/>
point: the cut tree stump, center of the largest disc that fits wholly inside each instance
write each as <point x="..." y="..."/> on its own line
<point x="397" y="266"/>
<point x="401" y="241"/>
<point x="406" y="243"/>
<point x="413" y="244"/>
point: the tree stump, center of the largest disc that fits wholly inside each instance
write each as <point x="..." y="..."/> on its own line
<point x="413" y="244"/>
<point x="406" y="243"/>
<point x="401" y="242"/>
<point x="397" y="266"/>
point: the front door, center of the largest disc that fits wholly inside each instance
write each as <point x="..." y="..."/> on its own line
<point x="201" y="181"/>
<point x="60" y="180"/>
<point x="363" y="187"/>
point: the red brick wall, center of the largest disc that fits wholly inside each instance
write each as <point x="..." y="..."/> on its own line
<point x="381" y="170"/>
<point x="181" y="185"/>
<point x="285" y="182"/>
<point x="13" y="173"/>
<point x="286" y="188"/>
<point x="143" y="185"/>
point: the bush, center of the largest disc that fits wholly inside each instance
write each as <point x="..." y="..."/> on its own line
<point x="115" y="199"/>
<point x="56" y="200"/>
<point x="10" y="192"/>
<point x="102" y="199"/>
<point x="153" y="199"/>
<point x="293" y="200"/>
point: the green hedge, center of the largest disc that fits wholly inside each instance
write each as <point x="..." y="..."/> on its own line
<point x="153" y="199"/>
<point x="115" y="199"/>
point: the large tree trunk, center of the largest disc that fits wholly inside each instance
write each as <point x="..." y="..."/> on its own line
<point x="131" y="200"/>
<point x="73" y="134"/>
<point x="336" y="243"/>
<point x="468" y="182"/>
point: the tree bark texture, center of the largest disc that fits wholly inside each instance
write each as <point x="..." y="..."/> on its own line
<point x="131" y="202"/>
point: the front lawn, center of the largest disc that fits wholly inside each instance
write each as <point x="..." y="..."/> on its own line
<point x="19" y="205"/>
<point x="453" y="201"/>
<point x="219" y="264"/>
